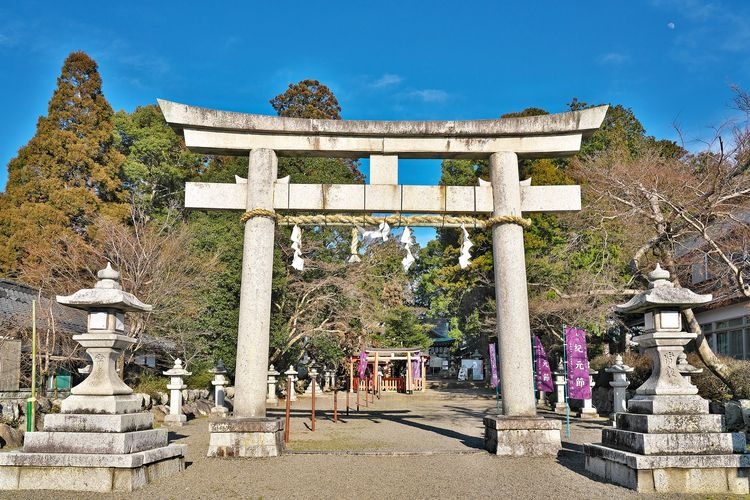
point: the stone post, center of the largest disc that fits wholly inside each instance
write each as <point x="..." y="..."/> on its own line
<point x="255" y="292"/>
<point x="518" y="431"/>
<point x="513" y="330"/>
<point x="291" y="373"/>
<point x="219" y="381"/>
<point x="619" y="383"/>
<point x="272" y="399"/>
<point x="560" y="387"/>
<point x="588" y="410"/>
<point x="175" y="386"/>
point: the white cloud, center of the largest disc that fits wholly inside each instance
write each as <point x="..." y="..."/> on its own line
<point x="430" y="95"/>
<point x="614" y="58"/>
<point x="387" y="80"/>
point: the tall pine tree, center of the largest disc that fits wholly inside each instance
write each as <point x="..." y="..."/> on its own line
<point x="66" y="175"/>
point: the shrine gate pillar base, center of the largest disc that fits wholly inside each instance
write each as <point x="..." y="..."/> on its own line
<point x="519" y="431"/>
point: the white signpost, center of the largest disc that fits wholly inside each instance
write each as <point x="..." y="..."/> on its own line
<point x="263" y="197"/>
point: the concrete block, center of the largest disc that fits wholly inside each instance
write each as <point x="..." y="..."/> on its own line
<point x="248" y="424"/>
<point x="550" y="198"/>
<point x="522" y="436"/>
<point x="305" y="196"/>
<point x="129" y="479"/>
<point x="9" y="478"/>
<point x="382" y="197"/>
<point x="112" y="405"/>
<point x="383" y="169"/>
<point x="668" y="405"/>
<point x="94" y="443"/>
<point x="656" y="424"/>
<point x="215" y="195"/>
<point x="343" y="197"/>
<point x="423" y="198"/>
<point x="460" y="199"/>
<point x="172" y="420"/>
<point x="280" y="196"/>
<point x="65" y="478"/>
<point x="668" y="443"/>
<point x="67" y="422"/>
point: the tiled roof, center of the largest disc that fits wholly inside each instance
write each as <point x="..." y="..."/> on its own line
<point x="15" y="304"/>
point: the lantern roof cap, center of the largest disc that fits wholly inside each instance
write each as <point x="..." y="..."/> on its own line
<point x="107" y="293"/>
<point x="662" y="294"/>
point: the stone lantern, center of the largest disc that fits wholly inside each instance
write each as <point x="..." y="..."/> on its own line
<point x="667" y="442"/>
<point x="313" y="374"/>
<point x="175" y="386"/>
<point x="272" y="374"/>
<point x="102" y="440"/>
<point x="103" y="391"/>
<point x="220" y="380"/>
<point x="291" y="374"/>
<point x="619" y="383"/>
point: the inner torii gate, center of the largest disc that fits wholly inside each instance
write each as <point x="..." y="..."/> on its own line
<point x="263" y="138"/>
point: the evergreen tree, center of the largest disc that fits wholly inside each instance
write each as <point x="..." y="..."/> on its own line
<point x="68" y="173"/>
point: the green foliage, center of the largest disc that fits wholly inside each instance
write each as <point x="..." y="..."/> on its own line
<point x="403" y="329"/>
<point x="307" y="99"/>
<point x="149" y="383"/>
<point x="326" y="349"/>
<point x="709" y="385"/>
<point x="157" y="163"/>
<point x="200" y="378"/>
<point x="66" y="175"/>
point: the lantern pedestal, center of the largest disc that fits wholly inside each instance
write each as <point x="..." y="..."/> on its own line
<point x="667" y="442"/>
<point x="522" y="436"/>
<point x="101" y="441"/>
<point x="246" y="437"/>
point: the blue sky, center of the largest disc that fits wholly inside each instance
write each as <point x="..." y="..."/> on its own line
<point x="671" y="61"/>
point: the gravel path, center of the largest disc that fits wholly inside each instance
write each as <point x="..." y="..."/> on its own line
<point x="421" y="446"/>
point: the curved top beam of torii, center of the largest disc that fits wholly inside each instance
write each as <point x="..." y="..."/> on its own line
<point x="225" y="132"/>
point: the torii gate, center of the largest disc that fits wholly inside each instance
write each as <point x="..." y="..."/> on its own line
<point x="503" y="141"/>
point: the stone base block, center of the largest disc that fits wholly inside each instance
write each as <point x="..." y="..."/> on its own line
<point x="522" y="436"/>
<point x="560" y="408"/>
<point x="588" y="413"/>
<point x="669" y="443"/>
<point x="88" y="472"/>
<point x="67" y="422"/>
<point x="683" y="474"/>
<point x="246" y="437"/>
<point x="669" y="405"/>
<point x="219" y="412"/>
<point x="175" y="420"/>
<point x="94" y="442"/>
<point x="129" y="403"/>
<point x="659" y="424"/>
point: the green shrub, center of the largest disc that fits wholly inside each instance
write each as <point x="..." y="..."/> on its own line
<point x="709" y="385"/>
<point x="150" y="383"/>
<point x="200" y="378"/>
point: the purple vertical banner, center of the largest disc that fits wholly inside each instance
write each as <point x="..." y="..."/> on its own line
<point x="416" y="369"/>
<point x="493" y="365"/>
<point x="578" y="363"/>
<point x="543" y="371"/>
<point x="362" y="367"/>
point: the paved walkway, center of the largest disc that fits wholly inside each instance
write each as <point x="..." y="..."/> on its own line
<point x="420" y="446"/>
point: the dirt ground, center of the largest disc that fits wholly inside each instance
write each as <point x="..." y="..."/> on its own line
<point x="400" y="446"/>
